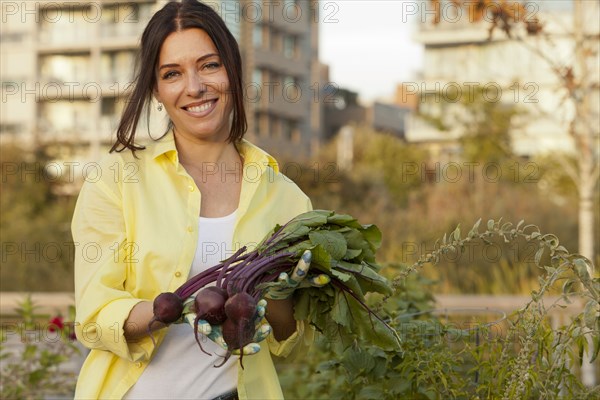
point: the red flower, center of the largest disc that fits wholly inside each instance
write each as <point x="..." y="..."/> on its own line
<point x="56" y="324"/>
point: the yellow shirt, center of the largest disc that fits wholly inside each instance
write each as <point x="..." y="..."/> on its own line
<point x="135" y="229"/>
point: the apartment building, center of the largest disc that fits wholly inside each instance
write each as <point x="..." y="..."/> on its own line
<point x="66" y="68"/>
<point x="459" y="57"/>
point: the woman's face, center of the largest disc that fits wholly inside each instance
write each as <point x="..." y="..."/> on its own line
<point x="193" y="86"/>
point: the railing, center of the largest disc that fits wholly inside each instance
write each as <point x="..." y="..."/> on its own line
<point x="51" y="303"/>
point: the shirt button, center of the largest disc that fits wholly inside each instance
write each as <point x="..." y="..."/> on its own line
<point x="177" y="274"/>
<point x="138" y="364"/>
<point x="190" y="229"/>
<point x="191" y="188"/>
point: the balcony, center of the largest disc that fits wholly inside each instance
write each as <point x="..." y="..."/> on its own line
<point x="269" y="59"/>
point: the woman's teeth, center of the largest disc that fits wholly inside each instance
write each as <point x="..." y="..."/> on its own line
<point x="201" y="107"/>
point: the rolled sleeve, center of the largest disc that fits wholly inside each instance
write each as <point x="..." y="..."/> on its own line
<point x="296" y="344"/>
<point x="106" y="332"/>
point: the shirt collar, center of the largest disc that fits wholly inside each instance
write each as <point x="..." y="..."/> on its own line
<point x="252" y="154"/>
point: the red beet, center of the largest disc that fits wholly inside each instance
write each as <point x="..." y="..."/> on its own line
<point x="239" y="329"/>
<point x="240" y="306"/>
<point x="209" y="305"/>
<point x="167" y="308"/>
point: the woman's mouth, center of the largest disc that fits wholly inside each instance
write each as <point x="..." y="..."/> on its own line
<point x="200" y="108"/>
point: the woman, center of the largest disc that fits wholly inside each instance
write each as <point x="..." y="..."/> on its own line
<point x="161" y="213"/>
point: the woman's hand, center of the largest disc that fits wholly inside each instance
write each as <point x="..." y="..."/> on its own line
<point x="286" y="285"/>
<point x="215" y="332"/>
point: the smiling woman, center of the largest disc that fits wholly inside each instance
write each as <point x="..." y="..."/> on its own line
<point x="193" y="86"/>
<point x="195" y="188"/>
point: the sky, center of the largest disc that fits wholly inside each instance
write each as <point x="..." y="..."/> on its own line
<point x="368" y="46"/>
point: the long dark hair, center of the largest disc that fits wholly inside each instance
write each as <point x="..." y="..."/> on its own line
<point x="175" y="17"/>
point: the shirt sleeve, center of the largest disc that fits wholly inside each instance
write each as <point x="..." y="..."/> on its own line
<point x="102" y="303"/>
<point x="298" y="343"/>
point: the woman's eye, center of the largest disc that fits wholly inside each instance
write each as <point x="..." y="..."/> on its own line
<point x="169" y="74"/>
<point x="212" y="65"/>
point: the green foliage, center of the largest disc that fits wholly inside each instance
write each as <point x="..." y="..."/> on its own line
<point x="486" y="121"/>
<point x="380" y="161"/>
<point x="432" y="204"/>
<point x="32" y="364"/>
<point x="36" y="241"/>
<point x="522" y="356"/>
<point x="343" y="250"/>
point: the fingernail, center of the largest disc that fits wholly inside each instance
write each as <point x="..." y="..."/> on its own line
<point x="307" y="256"/>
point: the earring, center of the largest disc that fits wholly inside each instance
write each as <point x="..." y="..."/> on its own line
<point x="160" y="107"/>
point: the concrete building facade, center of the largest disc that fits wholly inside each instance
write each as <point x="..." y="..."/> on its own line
<point x="460" y="56"/>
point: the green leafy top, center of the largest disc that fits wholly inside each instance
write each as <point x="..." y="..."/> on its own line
<point x="345" y="250"/>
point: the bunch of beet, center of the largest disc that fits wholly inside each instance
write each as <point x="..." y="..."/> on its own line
<point x="227" y="294"/>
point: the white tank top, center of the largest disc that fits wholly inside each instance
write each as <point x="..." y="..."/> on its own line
<point x="179" y="369"/>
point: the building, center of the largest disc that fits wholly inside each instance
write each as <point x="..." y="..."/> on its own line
<point x="280" y="52"/>
<point x="459" y="57"/>
<point x="66" y="67"/>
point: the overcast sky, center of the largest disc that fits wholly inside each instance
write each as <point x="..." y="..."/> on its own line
<point x="368" y="46"/>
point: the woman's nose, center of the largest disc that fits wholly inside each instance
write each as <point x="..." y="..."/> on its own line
<point x="196" y="86"/>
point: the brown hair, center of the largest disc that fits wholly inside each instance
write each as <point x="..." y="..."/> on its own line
<point x="175" y="17"/>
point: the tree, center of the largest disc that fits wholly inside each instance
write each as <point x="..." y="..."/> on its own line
<point x="578" y="78"/>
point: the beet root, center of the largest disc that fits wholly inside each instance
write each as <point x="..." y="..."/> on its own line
<point x="209" y="305"/>
<point x="167" y="308"/>
<point x="239" y="328"/>
<point x="240" y="306"/>
<point x="237" y="336"/>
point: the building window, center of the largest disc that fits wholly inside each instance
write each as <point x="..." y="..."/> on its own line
<point x="275" y="127"/>
<point x="13" y="37"/>
<point x="257" y="36"/>
<point x="230" y="11"/>
<point x="111" y="110"/>
<point x="120" y="20"/>
<point x="6" y="85"/>
<point x="276" y="41"/>
<point x="290" y="131"/>
<point x="257" y="76"/>
<point x="66" y="117"/>
<point x="11" y="129"/>
<point x="262" y="125"/>
<point x="286" y="129"/>
<point x="65" y="68"/>
<point x="115" y="67"/>
<point x="77" y="28"/>
<point x="289" y="46"/>
<point x="289" y="80"/>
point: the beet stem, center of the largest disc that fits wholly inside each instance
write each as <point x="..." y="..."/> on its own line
<point x="254" y="269"/>
<point x="227" y="263"/>
<point x="192" y="282"/>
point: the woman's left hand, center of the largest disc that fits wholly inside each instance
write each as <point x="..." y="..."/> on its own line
<point x="286" y="285"/>
<point x="215" y="332"/>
